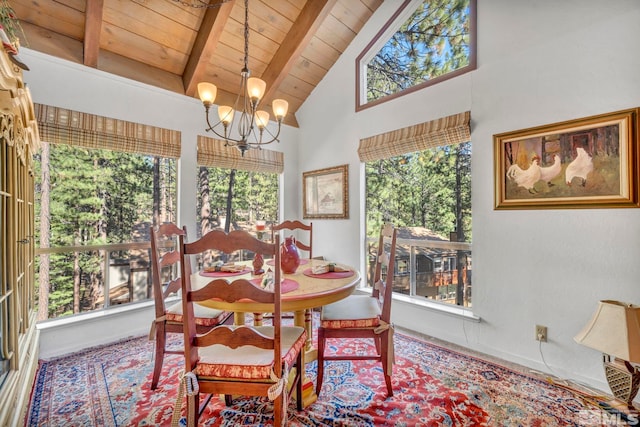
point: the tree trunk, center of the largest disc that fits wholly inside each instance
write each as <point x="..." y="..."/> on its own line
<point x="156" y="191"/>
<point x="76" y="279"/>
<point x="100" y="230"/>
<point x="205" y="209"/>
<point x="45" y="190"/>
<point x="232" y="179"/>
<point x="460" y="237"/>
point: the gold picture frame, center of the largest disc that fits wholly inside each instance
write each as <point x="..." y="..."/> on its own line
<point x="591" y="162"/>
<point x="325" y="193"/>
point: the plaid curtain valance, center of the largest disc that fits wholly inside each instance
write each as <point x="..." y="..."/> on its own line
<point x="213" y="153"/>
<point x="448" y="130"/>
<point x="63" y="126"/>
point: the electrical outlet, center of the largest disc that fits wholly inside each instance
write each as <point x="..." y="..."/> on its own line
<point x="541" y="333"/>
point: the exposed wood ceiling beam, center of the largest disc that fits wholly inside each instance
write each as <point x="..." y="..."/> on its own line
<point x="204" y="46"/>
<point x="92" y="30"/>
<point x="297" y="39"/>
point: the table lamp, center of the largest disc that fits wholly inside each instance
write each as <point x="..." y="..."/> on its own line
<point x="615" y="331"/>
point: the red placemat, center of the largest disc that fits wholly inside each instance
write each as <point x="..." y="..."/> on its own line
<point x="302" y="261"/>
<point x="224" y="273"/>
<point x="329" y="275"/>
<point x="287" y="285"/>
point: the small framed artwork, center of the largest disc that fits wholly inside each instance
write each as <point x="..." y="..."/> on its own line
<point x="325" y="193"/>
<point x="591" y="162"/>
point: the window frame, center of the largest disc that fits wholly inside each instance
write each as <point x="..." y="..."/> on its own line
<point x="392" y="25"/>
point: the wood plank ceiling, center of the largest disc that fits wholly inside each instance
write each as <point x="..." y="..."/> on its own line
<point x="165" y="43"/>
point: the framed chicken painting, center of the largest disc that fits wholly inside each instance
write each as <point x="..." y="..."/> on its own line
<point x="591" y="162"/>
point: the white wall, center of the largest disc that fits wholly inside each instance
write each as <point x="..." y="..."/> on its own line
<point x="539" y="62"/>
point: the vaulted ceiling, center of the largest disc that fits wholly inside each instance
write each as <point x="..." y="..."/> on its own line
<point x="168" y="44"/>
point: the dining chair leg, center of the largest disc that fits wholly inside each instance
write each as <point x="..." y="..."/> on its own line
<point x="384" y="356"/>
<point x="300" y="375"/>
<point x="193" y="410"/>
<point x="158" y="356"/>
<point x="376" y="341"/>
<point x="278" y="405"/>
<point x="320" y="375"/>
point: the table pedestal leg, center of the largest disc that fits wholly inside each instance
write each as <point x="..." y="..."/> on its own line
<point x="257" y="319"/>
<point x="238" y="318"/>
<point x="303" y="318"/>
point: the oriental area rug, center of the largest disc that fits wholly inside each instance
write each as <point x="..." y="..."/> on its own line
<point x="433" y="386"/>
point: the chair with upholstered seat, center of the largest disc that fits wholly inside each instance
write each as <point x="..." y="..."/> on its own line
<point x="364" y="316"/>
<point x="308" y="247"/>
<point x="167" y="281"/>
<point x="293" y="226"/>
<point x="239" y="360"/>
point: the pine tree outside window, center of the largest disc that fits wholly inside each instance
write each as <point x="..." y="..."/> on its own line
<point x="419" y="179"/>
<point x="100" y="185"/>
<point x="235" y="190"/>
<point x="425" y="42"/>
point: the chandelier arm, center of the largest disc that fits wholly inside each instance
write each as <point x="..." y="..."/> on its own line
<point x="212" y="128"/>
<point x="274" y="138"/>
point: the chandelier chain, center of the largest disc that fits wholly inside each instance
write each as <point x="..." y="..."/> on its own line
<point x="246" y="35"/>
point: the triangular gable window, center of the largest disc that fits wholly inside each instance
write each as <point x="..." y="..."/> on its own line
<point x="424" y="42"/>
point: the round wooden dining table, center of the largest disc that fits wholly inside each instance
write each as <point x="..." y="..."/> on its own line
<point x="302" y="291"/>
<point x="309" y="291"/>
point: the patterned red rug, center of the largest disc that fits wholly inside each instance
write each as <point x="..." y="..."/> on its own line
<point x="433" y="386"/>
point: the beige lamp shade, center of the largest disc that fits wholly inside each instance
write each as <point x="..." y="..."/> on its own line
<point x="614" y="330"/>
<point x="207" y="92"/>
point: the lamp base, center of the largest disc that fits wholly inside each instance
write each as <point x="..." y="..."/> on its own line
<point x="621" y="411"/>
<point x="623" y="379"/>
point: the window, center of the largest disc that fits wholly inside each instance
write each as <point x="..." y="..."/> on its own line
<point x="424" y="43"/>
<point x="255" y="197"/>
<point x="251" y="180"/>
<point x="426" y="194"/>
<point x="109" y="182"/>
<point x="101" y="199"/>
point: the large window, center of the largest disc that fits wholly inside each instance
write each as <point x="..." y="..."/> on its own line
<point x="235" y="190"/>
<point x="101" y="184"/>
<point x="254" y="197"/>
<point x="100" y="199"/>
<point x="425" y="42"/>
<point x="426" y="194"/>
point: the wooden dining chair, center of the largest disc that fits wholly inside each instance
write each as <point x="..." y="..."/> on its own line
<point x="364" y="316"/>
<point x="293" y="226"/>
<point x="167" y="281"/>
<point x="239" y="360"/>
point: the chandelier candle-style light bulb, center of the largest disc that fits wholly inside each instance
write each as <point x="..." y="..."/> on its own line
<point x="207" y="92"/>
<point x="262" y="119"/>
<point x="256" y="88"/>
<point x="225" y="113"/>
<point x="280" y="107"/>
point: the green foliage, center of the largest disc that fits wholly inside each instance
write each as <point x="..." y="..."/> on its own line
<point x="97" y="197"/>
<point x="421" y="190"/>
<point x="255" y="196"/>
<point x="434" y="41"/>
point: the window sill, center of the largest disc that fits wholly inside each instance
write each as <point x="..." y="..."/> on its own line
<point x="465" y="313"/>
<point x="94" y="315"/>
